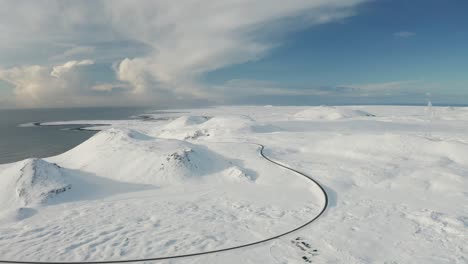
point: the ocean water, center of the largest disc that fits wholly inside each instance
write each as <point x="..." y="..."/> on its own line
<point x="18" y="143"/>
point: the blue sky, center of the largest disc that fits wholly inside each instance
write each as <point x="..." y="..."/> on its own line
<point x="311" y="52"/>
<point x="367" y="48"/>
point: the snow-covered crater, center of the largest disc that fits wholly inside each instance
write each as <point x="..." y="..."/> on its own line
<point x="129" y="156"/>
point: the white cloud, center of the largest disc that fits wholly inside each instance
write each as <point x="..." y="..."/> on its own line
<point x="133" y="72"/>
<point x="59" y="70"/>
<point x="73" y="52"/>
<point x="257" y="87"/>
<point x="404" y="34"/>
<point x="180" y="41"/>
<point x="78" y="50"/>
<point x="247" y="87"/>
<point x="184" y="40"/>
<point x="68" y="85"/>
<point x="46" y="86"/>
<point x="402" y="88"/>
<point x="386" y="86"/>
<point x="110" y="87"/>
<point x="190" y="40"/>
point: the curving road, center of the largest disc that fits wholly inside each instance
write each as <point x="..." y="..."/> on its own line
<point x="262" y="148"/>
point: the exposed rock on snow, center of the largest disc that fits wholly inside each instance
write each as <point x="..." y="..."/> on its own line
<point x="39" y="181"/>
<point x="234" y="174"/>
<point x="330" y="113"/>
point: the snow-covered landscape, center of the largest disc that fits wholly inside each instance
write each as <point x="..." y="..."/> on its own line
<point x="193" y="180"/>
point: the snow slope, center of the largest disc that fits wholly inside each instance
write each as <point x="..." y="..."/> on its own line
<point x="396" y="179"/>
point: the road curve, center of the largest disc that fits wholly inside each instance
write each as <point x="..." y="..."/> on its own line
<point x="262" y="148"/>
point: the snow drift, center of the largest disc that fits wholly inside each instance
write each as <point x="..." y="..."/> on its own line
<point x="330" y="113"/>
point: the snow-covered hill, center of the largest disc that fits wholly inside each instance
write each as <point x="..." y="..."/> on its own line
<point x="226" y="126"/>
<point x="181" y="183"/>
<point x="128" y="156"/>
<point x="31" y="182"/>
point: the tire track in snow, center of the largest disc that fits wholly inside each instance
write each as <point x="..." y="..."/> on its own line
<point x="262" y="148"/>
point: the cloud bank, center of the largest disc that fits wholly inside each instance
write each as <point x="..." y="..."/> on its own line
<point x="181" y="40"/>
<point x="40" y="85"/>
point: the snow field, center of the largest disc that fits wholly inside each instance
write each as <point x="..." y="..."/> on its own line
<point x="396" y="178"/>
